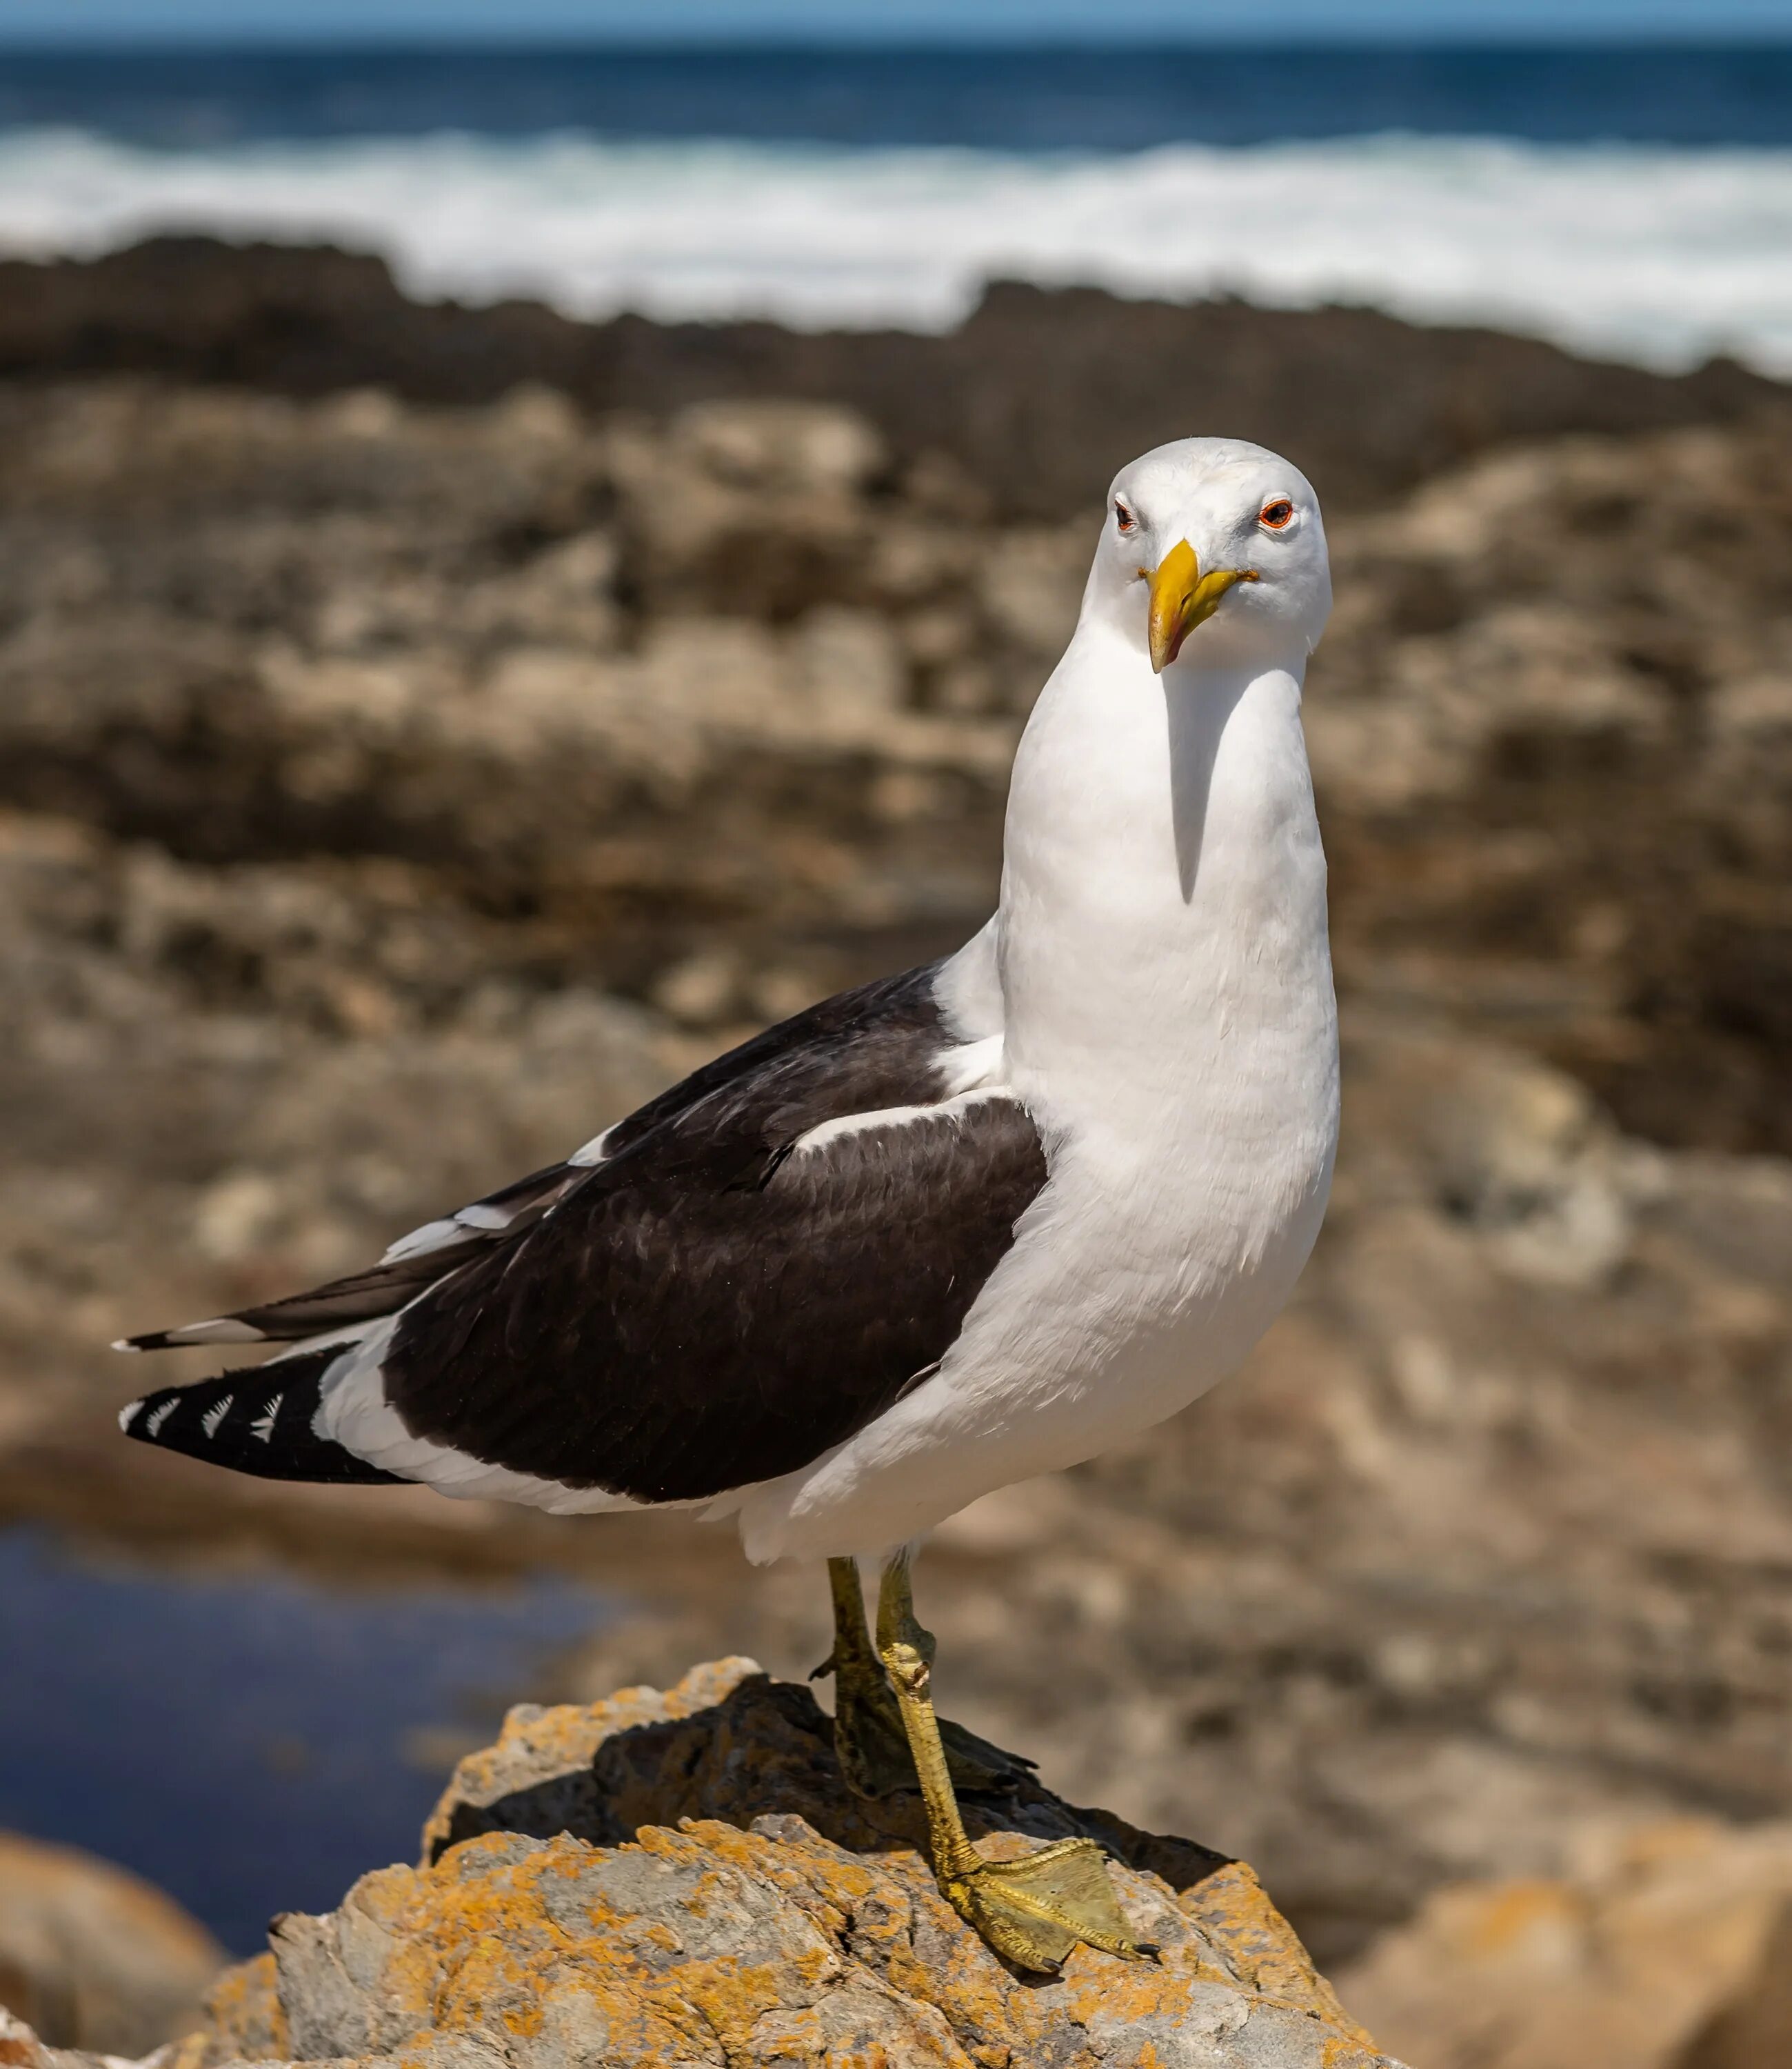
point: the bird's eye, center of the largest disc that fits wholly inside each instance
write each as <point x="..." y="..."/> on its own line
<point x="1124" y="518"/>
<point x="1277" y="515"/>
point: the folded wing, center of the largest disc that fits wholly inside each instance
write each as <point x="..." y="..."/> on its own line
<point x="738" y="1276"/>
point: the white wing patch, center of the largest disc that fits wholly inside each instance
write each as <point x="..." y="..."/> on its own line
<point x="894" y="1116"/>
<point x="594" y="1152"/>
<point x="974" y="1067"/>
<point x="433" y="1236"/>
<point x="153" y="1426"/>
<point x="215" y="1415"/>
<point x="481" y="1219"/>
<point x="262" y="1426"/>
<point x="476" y="1220"/>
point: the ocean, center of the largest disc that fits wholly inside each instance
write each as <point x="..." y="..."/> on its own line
<point x="1633" y="202"/>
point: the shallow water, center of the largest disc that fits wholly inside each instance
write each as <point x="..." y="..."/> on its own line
<point x="250" y="1742"/>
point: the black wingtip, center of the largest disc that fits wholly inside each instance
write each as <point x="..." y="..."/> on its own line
<point x="257" y="1421"/>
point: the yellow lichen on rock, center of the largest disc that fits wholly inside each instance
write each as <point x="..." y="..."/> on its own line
<point x="682" y="1878"/>
<point x="243" y="2017"/>
<point x="562" y="1739"/>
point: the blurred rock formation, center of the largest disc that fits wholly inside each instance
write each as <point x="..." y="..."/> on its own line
<point x="1669" y="1948"/>
<point x="1033" y="402"/>
<point x="95" y="1958"/>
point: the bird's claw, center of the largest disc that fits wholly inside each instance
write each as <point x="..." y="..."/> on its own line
<point x="1034" y="1911"/>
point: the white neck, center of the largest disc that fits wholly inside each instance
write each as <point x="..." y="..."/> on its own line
<point x="1163" y="916"/>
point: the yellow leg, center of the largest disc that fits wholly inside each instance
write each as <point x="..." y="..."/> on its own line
<point x="1033" y="1911"/>
<point x="868" y="1726"/>
<point x="869" y="1740"/>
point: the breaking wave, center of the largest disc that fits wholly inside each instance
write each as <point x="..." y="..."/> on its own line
<point x="1660" y="256"/>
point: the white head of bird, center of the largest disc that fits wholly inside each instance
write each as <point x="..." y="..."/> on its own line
<point x="1212" y="556"/>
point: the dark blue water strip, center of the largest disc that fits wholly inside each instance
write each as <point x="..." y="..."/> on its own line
<point x="1020" y="99"/>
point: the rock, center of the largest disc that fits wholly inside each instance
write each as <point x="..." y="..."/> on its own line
<point x="528" y="654"/>
<point x="91" y="1956"/>
<point x="1671" y="1949"/>
<point x="682" y="1878"/>
<point x="1556" y="801"/>
<point x="20" y="2048"/>
<point x="1023" y="398"/>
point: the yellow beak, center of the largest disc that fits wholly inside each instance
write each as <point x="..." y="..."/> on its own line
<point x="1183" y="597"/>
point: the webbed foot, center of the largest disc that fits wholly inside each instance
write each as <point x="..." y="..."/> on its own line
<point x="1033" y="1910"/>
<point x="1036" y="1910"/>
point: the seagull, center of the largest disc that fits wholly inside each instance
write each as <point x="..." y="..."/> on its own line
<point x="936" y="1234"/>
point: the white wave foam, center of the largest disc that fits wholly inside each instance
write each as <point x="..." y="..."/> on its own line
<point x="1662" y="256"/>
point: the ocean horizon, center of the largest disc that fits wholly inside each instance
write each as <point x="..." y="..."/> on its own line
<point x="1628" y="201"/>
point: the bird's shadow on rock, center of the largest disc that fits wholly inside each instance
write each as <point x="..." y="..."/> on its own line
<point x="766" y="1750"/>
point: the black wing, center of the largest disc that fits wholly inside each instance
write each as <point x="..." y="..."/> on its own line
<point x="711" y="1310"/>
<point x="261" y="1420"/>
<point x="874" y="1045"/>
<point x="713" y="1302"/>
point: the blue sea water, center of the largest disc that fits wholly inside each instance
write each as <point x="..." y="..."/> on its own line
<point x="1083" y="99"/>
<point x="1632" y="202"/>
<point x="252" y="1743"/>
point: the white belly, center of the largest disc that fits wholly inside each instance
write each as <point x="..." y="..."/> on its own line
<point x="1166" y="987"/>
<point x="1128" y="1294"/>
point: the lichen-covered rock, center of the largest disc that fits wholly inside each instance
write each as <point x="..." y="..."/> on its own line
<point x="682" y="1879"/>
<point x="244" y="2019"/>
<point x="22" y="2047"/>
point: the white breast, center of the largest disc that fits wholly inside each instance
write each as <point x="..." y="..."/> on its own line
<point x="1168" y="1017"/>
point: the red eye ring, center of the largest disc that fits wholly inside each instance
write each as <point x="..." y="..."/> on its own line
<point x="1124" y="518"/>
<point x="1276" y="515"/>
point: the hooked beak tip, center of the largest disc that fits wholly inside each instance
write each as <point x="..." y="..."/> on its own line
<point x="1183" y="597"/>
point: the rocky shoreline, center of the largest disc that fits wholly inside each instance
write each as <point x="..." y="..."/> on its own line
<point x="681" y="1876"/>
<point x="1027" y="408"/>
<point x="396" y="781"/>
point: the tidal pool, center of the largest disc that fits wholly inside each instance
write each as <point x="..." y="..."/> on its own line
<point x="250" y="1742"/>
